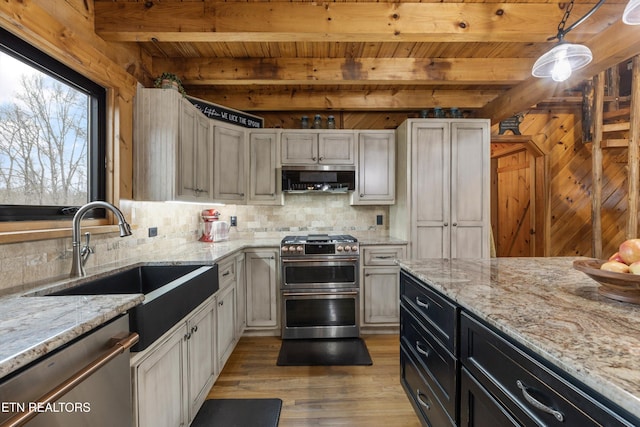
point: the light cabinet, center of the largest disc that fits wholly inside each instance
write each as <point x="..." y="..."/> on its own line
<point x="380" y="292"/>
<point x="173" y="152"/>
<point x="328" y="147"/>
<point x="376" y="178"/>
<point x="264" y="184"/>
<point x="241" y="295"/>
<point x="172" y="377"/>
<point x="230" y="150"/>
<point x="442" y="202"/>
<point x="226" y="322"/>
<point x="262" y="289"/>
<point x="195" y="145"/>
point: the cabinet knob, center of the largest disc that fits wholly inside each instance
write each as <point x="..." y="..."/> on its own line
<point x="221" y="303"/>
<point x="455" y="224"/>
<point x="446" y="224"/>
<point x="314" y="159"/>
<point x="361" y="195"/>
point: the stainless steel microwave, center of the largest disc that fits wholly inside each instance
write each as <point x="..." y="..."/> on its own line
<point x="330" y="179"/>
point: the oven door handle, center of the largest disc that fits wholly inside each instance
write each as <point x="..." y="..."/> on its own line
<point x="314" y="293"/>
<point x="324" y="260"/>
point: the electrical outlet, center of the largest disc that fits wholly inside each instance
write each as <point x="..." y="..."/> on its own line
<point x="234" y="221"/>
<point x="378" y="219"/>
<point x="153" y="231"/>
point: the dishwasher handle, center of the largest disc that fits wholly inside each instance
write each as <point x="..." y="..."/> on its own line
<point x="117" y="348"/>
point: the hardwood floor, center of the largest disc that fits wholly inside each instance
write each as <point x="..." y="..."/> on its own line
<point x="321" y="395"/>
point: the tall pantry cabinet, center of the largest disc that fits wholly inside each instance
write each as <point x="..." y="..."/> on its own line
<point x="442" y="201"/>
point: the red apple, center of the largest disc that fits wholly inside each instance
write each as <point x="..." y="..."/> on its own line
<point x="616" y="257"/>
<point x="615" y="266"/>
<point x="630" y="251"/>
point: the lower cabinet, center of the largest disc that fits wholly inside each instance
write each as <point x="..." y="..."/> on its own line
<point x="226" y="323"/>
<point x="172" y="377"/>
<point x="262" y="289"/>
<point x="458" y="370"/>
<point x="380" y="292"/>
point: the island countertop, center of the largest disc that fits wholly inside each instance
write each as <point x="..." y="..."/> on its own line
<point x="553" y="310"/>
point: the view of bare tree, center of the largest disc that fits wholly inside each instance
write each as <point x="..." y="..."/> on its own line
<point x="43" y="144"/>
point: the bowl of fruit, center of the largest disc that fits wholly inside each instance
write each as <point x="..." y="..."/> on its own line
<point x="619" y="276"/>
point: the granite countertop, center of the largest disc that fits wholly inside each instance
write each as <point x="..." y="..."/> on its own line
<point x="32" y="325"/>
<point x="552" y="309"/>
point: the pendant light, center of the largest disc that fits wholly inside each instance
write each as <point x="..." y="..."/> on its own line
<point x="631" y="15"/>
<point x="565" y="57"/>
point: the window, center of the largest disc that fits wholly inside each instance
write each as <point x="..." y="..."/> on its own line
<point x="52" y="135"/>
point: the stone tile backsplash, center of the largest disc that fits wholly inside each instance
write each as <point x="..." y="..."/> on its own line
<point x="24" y="264"/>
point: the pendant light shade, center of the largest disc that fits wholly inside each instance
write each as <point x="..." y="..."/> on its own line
<point x="561" y="61"/>
<point x="631" y="15"/>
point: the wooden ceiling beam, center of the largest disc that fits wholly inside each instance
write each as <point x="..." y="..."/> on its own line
<point x="344" y="100"/>
<point x="404" y="71"/>
<point x="213" y="21"/>
<point x="611" y="47"/>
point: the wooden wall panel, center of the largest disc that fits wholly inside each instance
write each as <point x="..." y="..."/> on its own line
<point x="571" y="184"/>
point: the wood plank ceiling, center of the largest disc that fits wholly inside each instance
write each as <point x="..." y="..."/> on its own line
<point x="363" y="55"/>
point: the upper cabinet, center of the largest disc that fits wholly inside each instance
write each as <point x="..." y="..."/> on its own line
<point x="324" y="147"/>
<point x="264" y="182"/>
<point x="376" y="179"/>
<point x="173" y="150"/>
<point x="230" y="149"/>
<point x="443" y="202"/>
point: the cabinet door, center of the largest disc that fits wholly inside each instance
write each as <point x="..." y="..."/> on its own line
<point x="187" y="183"/>
<point x="201" y="356"/>
<point x="225" y="324"/>
<point x="241" y="296"/>
<point x="336" y="148"/>
<point x="263" y="183"/>
<point x="478" y="408"/>
<point x="229" y="160"/>
<point x="381" y="294"/>
<point x="430" y="177"/>
<point x="470" y="207"/>
<point x="262" y="288"/>
<point x="203" y="158"/>
<point x="299" y="148"/>
<point x="376" y="168"/>
<point x="159" y="381"/>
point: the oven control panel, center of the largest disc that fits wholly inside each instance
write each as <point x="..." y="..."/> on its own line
<point x="320" y="249"/>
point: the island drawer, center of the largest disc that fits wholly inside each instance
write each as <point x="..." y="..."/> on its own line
<point x="437" y="366"/>
<point x="381" y="255"/>
<point x="435" y="312"/>
<point x="478" y="408"/>
<point x="533" y="393"/>
<point x="422" y="398"/>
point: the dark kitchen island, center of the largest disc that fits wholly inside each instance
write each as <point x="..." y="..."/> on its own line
<point x="498" y="337"/>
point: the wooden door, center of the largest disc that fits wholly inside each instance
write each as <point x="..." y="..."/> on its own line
<point x="299" y="148"/>
<point x="514" y="206"/>
<point x="376" y="168"/>
<point x="262" y="168"/>
<point x="336" y="148"/>
<point x="262" y="288"/>
<point x="201" y="354"/>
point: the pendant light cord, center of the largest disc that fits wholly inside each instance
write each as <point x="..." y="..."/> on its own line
<point x="561" y="30"/>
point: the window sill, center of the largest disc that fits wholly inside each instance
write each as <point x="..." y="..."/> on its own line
<point x="18" y="232"/>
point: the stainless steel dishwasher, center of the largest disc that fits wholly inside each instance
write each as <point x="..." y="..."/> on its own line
<point x="85" y="383"/>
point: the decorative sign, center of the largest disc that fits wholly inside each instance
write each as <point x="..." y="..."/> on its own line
<point x="512" y="124"/>
<point x="224" y="114"/>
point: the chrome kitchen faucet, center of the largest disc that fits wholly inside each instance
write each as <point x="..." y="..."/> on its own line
<point x="81" y="254"/>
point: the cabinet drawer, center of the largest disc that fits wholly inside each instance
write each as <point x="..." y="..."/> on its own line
<point x="227" y="273"/>
<point x="381" y="255"/>
<point x="437" y="365"/>
<point x="420" y="394"/>
<point x="435" y="313"/>
<point x="533" y="393"/>
<point x="478" y="408"/>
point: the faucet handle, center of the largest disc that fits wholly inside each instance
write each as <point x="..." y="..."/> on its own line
<point x="86" y="249"/>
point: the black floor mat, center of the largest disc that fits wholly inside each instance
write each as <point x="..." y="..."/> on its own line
<point x="326" y="351"/>
<point x="238" y="413"/>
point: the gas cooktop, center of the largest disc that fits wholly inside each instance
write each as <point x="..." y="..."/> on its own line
<point x="319" y="238"/>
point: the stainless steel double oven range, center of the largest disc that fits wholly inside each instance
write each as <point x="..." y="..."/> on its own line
<point x="320" y="286"/>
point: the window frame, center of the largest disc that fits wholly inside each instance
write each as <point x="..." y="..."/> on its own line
<point x="97" y="135"/>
